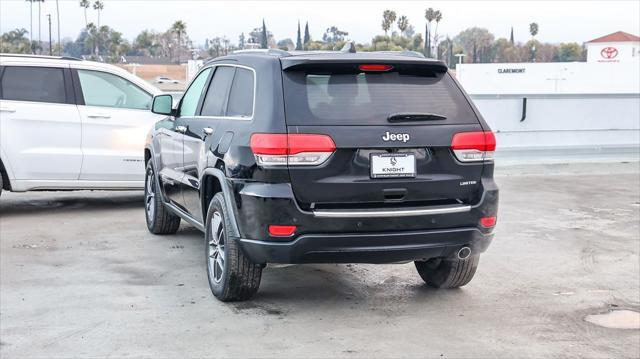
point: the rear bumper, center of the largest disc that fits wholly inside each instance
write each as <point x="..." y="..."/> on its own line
<point x="333" y="238"/>
<point x="386" y="247"/>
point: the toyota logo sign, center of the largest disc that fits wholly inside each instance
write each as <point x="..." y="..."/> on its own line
<point x="609" y="52"/>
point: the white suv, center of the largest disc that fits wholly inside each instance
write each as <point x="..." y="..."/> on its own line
<point x="66" y="123"/>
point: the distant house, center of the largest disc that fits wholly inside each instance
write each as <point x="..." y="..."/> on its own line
<point x="617" y="47"/>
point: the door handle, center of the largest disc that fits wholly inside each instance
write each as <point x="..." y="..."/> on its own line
<point x="98" y="115"/>
<point x="207" y="131"/>
<point x="7" y="109"/>
<point x="181" y="129"/>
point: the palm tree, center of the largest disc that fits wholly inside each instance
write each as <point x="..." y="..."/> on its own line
<point x="179" y="28"/>
<point x="533" y="29"/>
<point x="31" y="24"/>
<point x="39" y="23"/>
<point x="403" y="24"/>
<point x="85" y="5"/>
<point x="98" y="5"/>
<point x="388" y="18"/>
<point x="438" y="17"/>
<point x="430" y="15"/>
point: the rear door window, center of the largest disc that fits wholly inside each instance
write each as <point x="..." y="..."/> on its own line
<point x="317" y="98"/>
<point x="191" y="98"/>
<point x="215" y="101"/>
<point x="108" y="90"/>
<point x="35" y="84"/>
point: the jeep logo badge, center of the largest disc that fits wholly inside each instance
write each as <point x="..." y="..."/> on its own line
<point x="404" y="137"/>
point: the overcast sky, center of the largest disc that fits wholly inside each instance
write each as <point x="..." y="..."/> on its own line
<point x="559" y="21"/>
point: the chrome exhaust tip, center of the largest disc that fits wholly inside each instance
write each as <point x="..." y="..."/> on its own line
<point x="464" y="253"/>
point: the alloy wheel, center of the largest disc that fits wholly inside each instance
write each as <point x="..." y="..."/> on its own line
<point x="216" y="244"/>
<point x="150" y="196"/>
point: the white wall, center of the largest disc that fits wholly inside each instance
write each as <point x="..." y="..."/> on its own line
<point x="569" y="105"/>
<point x="563" y="121"/>
<point x="627" y="51"/>
<point x="550" y="78"/>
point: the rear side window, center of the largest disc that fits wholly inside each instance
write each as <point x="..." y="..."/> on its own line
<point x="215" y="101"/>
<point x="36" y="84"/>
<point x="370" y="98"/>
<point x="241" y="96"/>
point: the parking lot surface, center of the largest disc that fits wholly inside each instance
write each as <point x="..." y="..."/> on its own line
<point x="80" y="276"/>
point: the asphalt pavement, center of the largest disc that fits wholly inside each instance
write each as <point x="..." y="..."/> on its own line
<point x="80" y="276"/>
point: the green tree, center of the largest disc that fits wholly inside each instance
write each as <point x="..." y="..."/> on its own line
<point x="241" y="41"/>
<point x="286" y="44"/>
<point x="84" y="4"/>
<point x="299" y="39"/>
<point x="403" y="24"/>
<point x="307" y="35"/>
<point x="476" y="43"/>
<point x="179" y="28"/>
<point x="15" y="42"/>
<point x="334" y="35"/>
<point x="388" y="18"/>
<point x="511" y="37"/>
<point x="264" y="39"/>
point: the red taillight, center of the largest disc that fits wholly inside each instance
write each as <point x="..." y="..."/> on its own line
<point x="269" y="144"/>
<point x="488" y="221"/>
<point x="281" y="231"/>
<point x="375" y="67"/>
<point x="292" y="149"/>
<point x="473" y="146"/>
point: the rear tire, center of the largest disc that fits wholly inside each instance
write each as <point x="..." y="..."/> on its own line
<point x="159" y="219"/>
<point x="232" y="276"/>
<point x="448" y="272"/>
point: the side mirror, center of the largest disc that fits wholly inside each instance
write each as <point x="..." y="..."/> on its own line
<point x="163" y="105"/>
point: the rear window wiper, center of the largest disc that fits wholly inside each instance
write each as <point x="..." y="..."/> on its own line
<point x="403" y="117"/>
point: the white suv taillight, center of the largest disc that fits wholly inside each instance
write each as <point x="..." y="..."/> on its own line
<point x="297" y="149"/>
<point x="473" y="146"/>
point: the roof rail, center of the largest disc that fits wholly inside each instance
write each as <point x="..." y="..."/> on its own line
<point x="30" y="56"/>
<point x="275" y="52"/>
<point x="404" y="53"/>
<point x="349" y="47"/>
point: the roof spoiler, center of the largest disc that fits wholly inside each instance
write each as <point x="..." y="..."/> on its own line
<point x="294" y="63"/>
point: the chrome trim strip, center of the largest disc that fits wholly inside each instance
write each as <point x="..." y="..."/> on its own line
<point x="390" y="213"/>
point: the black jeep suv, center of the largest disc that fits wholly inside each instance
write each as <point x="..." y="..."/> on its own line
<point x="324" y="157"/>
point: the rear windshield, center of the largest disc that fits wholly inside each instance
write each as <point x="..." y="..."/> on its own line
<point x="315" y="98"/>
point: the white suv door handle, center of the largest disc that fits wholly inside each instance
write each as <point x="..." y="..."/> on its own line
<point x="7" y="109"/>
<point x="98" y="115"/>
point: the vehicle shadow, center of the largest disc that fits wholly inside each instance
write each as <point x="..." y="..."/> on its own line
<point x="285" y="287"/>
<point x="19" y="204"/>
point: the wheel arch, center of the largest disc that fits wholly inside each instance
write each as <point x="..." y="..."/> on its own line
<point x="213" y="181"/>
<point x="6" y="176"/>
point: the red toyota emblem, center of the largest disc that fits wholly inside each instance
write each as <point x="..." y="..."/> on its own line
<point x="609" y="52"/>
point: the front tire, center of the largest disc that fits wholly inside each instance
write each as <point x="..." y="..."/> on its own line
<point x="159" y="219"/>
<point x="448" y="272"/>
<point x="232" y="276"/>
